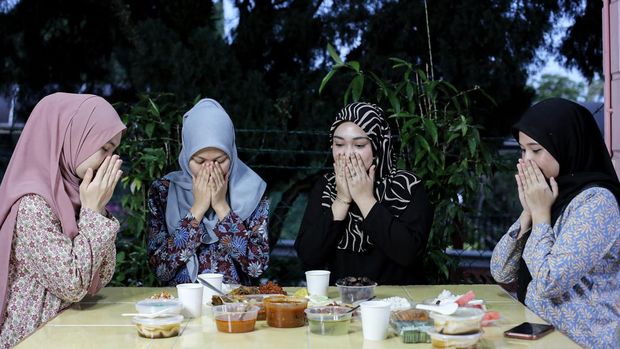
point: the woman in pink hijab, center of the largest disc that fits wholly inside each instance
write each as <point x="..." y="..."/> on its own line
<point x="57" y="239"/>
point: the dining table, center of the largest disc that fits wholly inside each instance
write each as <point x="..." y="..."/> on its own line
<point x="96" y="322"/>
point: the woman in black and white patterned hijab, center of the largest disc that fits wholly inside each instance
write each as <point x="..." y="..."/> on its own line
<point x="366" y="206"/>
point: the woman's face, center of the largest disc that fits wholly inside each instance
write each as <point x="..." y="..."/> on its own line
<point x="350" y="139"/>
<point x="531" y="150"/>
<point x="207" y="155"/>
<point x="95" y="160"/>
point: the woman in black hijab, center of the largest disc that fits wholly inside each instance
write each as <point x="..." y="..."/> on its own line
<point x="564" y="249"/>
<point x="366" y="218"/>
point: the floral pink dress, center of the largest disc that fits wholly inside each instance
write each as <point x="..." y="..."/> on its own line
<point x="48" y="271"/>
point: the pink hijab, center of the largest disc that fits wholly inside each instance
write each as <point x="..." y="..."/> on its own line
<point x="62" y="131"/>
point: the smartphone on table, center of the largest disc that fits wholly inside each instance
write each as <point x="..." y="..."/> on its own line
<point x="528" y="330"/>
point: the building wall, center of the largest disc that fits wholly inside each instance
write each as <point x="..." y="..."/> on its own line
<point x="611" y="65"/>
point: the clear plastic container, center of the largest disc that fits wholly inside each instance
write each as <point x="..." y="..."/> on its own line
<point x="465" y="341"/>
<point x="351" y="294"/>
<point x="285" y="312"/>
<point x="329" y="320"/>
<point x="235" y="317"/>
<point x="464" y="320"/>
<point x="160" y="327"/>
<point x="411" y="325"/>
<point x="149" y="306"/>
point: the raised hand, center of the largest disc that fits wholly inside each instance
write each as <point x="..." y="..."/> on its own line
<point x="539" y="195"/>
<point x="520" y="178"/>
<point x="96" y="192"/>
<point x="202" y="194"/>
<point x="360" y="183"/>
<point x="525" y="219"/>
<point x="342" y="188"/>
<point x="218" y="185"/>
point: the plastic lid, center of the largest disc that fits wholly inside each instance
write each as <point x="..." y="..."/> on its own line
<point x="158" y="321"/>
<point x="148" y="306"/>
<point x="357" y="286"/>
<point x="454" y="337"/>
<point x="461" y="314"/>
<point x="328" y="313"/>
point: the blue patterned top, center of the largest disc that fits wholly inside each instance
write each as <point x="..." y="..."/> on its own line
<point x="575" y="268"/>
<point x="242" y="247"/>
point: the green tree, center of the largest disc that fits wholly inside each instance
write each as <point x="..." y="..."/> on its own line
<point x="582" y="47"/>
<point x="555" y="85"/>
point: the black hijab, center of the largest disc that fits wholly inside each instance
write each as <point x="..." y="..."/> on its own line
<point x="569" y="133"/>
<point x="393" y="187"/>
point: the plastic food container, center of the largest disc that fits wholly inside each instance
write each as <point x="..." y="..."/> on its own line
<point x="235" y="317"/>
<point x="160" y="327"/>
<point x="285" y="312"/>
<point x="257" y="299"/>
<point x="351" y="294"/>
<point x="329" y="320"/>
<point x="464" y="320"/>
<point x="149" y="306"/>
<point x="411" y="325"/>
<point x="466" y="341"/>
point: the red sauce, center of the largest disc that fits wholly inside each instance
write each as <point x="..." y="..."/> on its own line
<point x="234" y="326"/>
<point x="283" y="312"/>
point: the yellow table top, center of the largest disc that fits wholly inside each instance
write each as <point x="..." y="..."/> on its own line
<point x="95" y="322"/>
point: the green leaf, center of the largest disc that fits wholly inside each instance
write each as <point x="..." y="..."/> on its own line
<point x="153" y="108"/>
<point x="394" y="102"/>
<point x="334" y="54"/>
<point x="423" y="143"/>
<point x="355" y="65"/>
<point x="358" y="86"/>
<point x="472" y="145"/>
<point x="382" y="85"/>
<point x="409" y="91"/>
<point x="431" y="128"/>
<point x="120" y="257"/>
<point x="136" y="184"/>
<point x="326" y="80"/>
<point x="399" y="62"/>
<point x="150" y="127"/>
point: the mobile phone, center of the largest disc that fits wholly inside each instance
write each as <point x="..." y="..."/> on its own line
<point x="528" y="330"/>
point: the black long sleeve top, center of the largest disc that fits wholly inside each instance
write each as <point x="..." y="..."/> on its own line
<point x="399" y="242"/>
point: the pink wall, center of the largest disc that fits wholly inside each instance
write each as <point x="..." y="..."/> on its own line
<point x="611" y="68"/>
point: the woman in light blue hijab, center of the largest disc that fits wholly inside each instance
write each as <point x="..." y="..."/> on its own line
<point x="212" y="215"/>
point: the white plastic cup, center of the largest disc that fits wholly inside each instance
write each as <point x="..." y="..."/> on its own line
<point x="215" y="280"/>
<point x="375" y="319"/>
<point x="191" y="297"/>
<point x="317" y="282"/>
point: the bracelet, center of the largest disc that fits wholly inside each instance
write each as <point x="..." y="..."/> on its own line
<point x="344" y="202"/>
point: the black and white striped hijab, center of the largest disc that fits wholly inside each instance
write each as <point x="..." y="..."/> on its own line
<point x="393" y="187"/>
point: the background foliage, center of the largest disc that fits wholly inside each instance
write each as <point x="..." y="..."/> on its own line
<point x="439" y="142"/>
<point x="267" y="72"/>
<point x="152" y="142"/>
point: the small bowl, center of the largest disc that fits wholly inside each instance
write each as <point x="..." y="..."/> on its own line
<point x="329" y="320"/>
<point x="149" y="306"/>
<point x="439" y="340"/>
<point x="235" y="317"/>
<point x="463" y="321"/>
<point x="351" y="294"/>
<point x="161" y="327"/>
<point x="285" y="311"/>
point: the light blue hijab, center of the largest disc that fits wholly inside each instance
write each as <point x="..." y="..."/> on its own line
<point x="208" y="125"/>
